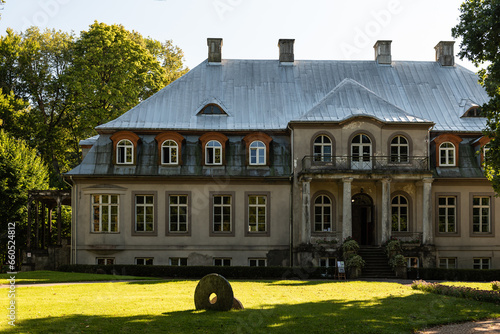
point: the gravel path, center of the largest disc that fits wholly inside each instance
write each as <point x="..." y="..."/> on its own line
<point x="491" y="326"/>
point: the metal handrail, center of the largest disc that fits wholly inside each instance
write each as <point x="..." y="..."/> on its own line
<point x="326" y="163"/>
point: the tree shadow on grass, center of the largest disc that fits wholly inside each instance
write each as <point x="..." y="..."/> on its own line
<point x="382" y="315"/>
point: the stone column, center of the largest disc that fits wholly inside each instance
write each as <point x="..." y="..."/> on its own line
<point x="426" y="208"/>
<point x="347" y="208"/>
<point x="306" y="205"/>
<point x="386" y="209"/>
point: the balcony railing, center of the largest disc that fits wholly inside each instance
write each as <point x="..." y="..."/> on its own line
<point x="393" y="164"/>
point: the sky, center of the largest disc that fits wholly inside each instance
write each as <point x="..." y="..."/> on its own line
<point x="322" y="29"/>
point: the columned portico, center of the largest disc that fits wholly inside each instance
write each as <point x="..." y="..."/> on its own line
<point x="346" y="208"/>
<point x="306" y="204"/>
<point x="386" y="209"/>
<point x="426" y="208"/>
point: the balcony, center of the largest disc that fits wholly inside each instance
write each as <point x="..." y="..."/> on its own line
<point x="326" y="164"/>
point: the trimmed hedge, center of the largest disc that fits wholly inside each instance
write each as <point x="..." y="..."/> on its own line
<point x="458" y="291"/>
<point x="464" y="275"/>
<point x="196" y="272"/>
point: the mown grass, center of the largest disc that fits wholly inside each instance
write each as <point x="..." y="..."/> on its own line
<point x="45" y="276"/>
<point x="270" y="307"/>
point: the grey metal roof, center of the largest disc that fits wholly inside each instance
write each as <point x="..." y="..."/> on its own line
<point x="350" y="99"/>
<point x="263" y="95"/>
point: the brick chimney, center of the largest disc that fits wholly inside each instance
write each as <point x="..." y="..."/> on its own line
<point x="383" y="52"/>
<point x="444" y="53"/>
<point x="286" y="51"/>
<point x="214" y="50"/>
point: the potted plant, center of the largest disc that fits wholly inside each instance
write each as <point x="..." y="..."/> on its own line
<point x="398" y="263"/>
<point x="354" y="263"/>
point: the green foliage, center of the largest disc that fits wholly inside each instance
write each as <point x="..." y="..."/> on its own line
<point x="479" y="29"/>
<point x="397" y="260"/>
<point x="355" y="261"/>
<point x="21" y="170"/>
<point x="393" y="247"/>
<point x="495" y="285"/>
<point x="457" y="291"/>
<point x="57" y="86"/>
<point x="465" y="275"/>
<point x="350" y="246"/>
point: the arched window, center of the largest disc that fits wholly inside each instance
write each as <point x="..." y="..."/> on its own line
<point x="213" y="153"/>
<point x="399" y="207"/>
<point x="125" y="152"/>
<point x="399" y="149"/>
<point x="169" y="153"/>
<point x="257" y="151"/>
<point x="322" y="149"/>
<point x="361" y="151"/>
<point x="322" y="214"/>
<point x="447" y="154"/>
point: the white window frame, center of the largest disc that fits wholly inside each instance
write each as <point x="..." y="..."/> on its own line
<point x="254" y="212"/>
<point x="182" y="210"/>
<point x="398" y="215"/>
<point x="444" y="262"/>
<point x="447" y="216"/>
<point x="362" y="159"/>
<point x="124" y="152"/>
<point x="447" y="154"/>
<point x="222" y="261"/>
<point x="400" y="157"/>
<point x="148" y="210"/>
<point x="105" y="212"/>
<point x="108" y="261"/>
<point x="213" y="153"/>
<point x="257" y="262"/>
<point x="480" y="207"/>
<point x="481" y="263"/>
<point x="144" y="261"/>
<point x="169" y="152"/>
<point x="322" y="206"/>
<point x="323" y="144"/>
<point x="178" y="261"/>
<point x="257" y="153"/>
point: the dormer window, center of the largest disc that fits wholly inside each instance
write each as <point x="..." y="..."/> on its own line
<point x="447" y="154"/>
<point x="257" y="153"/>
<point x="124" y="152"/>
<point x="257" y="147"/>
<point x="212" y="109"/>
<point x="213" y="153"/>
<point x="125" y="147"/>
<point x="169" y="148"/>
<point x="169" y="153"/>
<point x="474" y="111"/>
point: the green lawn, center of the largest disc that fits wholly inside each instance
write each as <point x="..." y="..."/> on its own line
<point x="270" y="307"/>
<point x="45" y="276"/>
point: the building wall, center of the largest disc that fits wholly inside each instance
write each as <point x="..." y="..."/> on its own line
<point x="200" y="246"/>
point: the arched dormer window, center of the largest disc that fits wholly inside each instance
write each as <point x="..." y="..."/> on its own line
<point x="474" y="111"/>
<point x="169" y="148"/>
<point x="257" y="147"/>
<point x="447" y="150"/>
<point x="124" y="147"/>
<point x="213" y="148"/>
<point x="212" y="109"/>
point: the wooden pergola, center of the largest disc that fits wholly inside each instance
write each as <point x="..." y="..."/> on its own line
<point x="41" y="204"/>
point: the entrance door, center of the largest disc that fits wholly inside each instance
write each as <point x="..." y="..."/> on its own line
<point x="362" y="219"/>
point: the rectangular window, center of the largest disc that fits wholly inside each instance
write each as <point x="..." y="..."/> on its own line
<point x="222" y="262"/>
<point x="257" y="262"/>
<point x="144" y="213"/>
<point x="447" y="214"/>
<point x="178" y="213"/>
<point x="178" y="261"/>
<point x="106" y="261"/>
<point x="412" y="262"/>
<point x="482" y="263"/>
<point x="105" y="213"/>
<point x="327" y="262"/>
<point x="257" y="213"/>
<point x="448" y="263"/>
<point x="222" y="205"/>
<point x="481" y="214"/>
<point x="144" y="261"/>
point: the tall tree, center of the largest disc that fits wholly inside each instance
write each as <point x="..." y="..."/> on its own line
<point x="479" y="28"/>
<point x="20" y="170"/>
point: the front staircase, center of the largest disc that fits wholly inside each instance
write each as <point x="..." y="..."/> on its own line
<point x="376" y="263"/>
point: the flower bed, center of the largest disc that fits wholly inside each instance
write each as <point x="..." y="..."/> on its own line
<point x="457" y="291"/>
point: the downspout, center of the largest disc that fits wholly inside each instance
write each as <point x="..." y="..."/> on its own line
<point x="74" y="214"/>
<point x="292" y="181"/>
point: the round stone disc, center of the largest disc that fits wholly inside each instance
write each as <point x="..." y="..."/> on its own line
<point x="213" y="283"/>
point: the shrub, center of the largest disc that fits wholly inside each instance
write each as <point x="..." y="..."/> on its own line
<point x="465" y="275"/>
<point x="393" y="247"/>
<point x="355" y="261"/>
<point x="350" y="246"/>
<point x="457" y="291"/>
<point x="397" y="261"/>
<point x="495" y="285"/>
